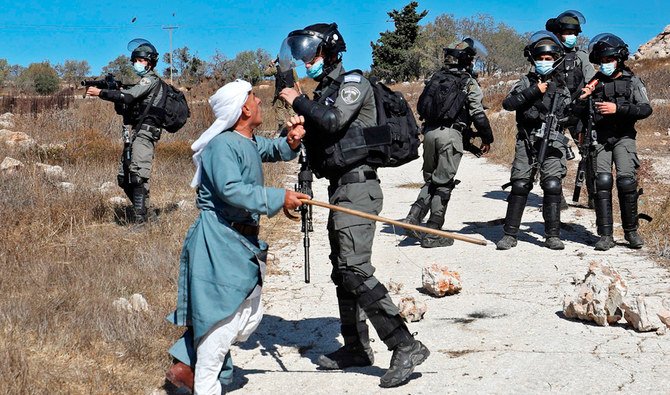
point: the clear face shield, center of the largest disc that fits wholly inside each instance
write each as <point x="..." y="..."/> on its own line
<point x="572" y="14"/>
<point x="299" y="48"/>
<point x="607" y="38"/>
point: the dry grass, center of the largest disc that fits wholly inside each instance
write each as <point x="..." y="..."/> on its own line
<point x="65" y="259"/>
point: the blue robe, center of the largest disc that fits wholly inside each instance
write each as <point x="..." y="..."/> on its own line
<point x="218" y="266"/>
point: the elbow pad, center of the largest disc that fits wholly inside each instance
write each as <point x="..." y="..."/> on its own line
<point x="116" y="96"/>
<point x="513" y="102"/>
<point x="635" y="111"/>
<point x="483" y="127"/>
<point x="323" y="116"/>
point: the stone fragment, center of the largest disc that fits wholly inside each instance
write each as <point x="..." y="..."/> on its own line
<point x="185" y="205"/>
<point x="644" y="313"/>
<point x="394" y="287"/>
<point x="597" y="296"/>
<point x="138" y="303"/>
<point x="66" y="186"/>
<point x="657" y="47"/>
<point x="412" y="310"/>
<point x="106" y="187"/>
<point x="10" y="165"/>
<point x="52" y="172"/>
<point x="122" y="304"/>
<point x="16" y="139"/>
<point x="439" y="281"/>
<point x="117" y="201"/>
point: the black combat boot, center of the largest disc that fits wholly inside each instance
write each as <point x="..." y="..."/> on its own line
<point x="604" y="219"/>
<point x="628" y="197"/>
<point x="139" y="204"/>
<point x="438" y="208"/>
<point x="414" y="217"/>
<point x="551" y="212"/>
<point x="516" y="202"/>
<point x="406" y="357"/>
<point x="356" y="350"/>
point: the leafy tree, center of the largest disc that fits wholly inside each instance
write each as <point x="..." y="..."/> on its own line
<point x="39" y="78"/>
<point x="392" y="54"/>
<point x="248" y="65"/>
<point x="5" y="69"/>
<point x="188" y="68"/>
<point x="432" y="40"/>
<point x="73" y="71"/>
<point x="219" y="67"/>
<point x="122" y="69"/>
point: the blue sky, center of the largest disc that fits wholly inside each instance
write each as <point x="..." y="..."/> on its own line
<point x="98" y="32"/>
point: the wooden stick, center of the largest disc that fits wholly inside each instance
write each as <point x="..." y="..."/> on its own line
<point x="373" y="217"/>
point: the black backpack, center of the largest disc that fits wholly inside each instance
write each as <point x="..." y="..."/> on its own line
<point x="395" y="139"/>
<point x="175" y="111"/>
<point x="443" y="97"/>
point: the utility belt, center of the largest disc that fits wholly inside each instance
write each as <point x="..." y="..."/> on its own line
<point x="453" y="125"/>
<point x="246" y="229"/>
<point x="355" y="176"/>
<point x="155" y="131"/>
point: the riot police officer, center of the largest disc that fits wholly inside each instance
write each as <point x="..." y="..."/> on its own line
<point x="342" y="106"/>
<point x="577" y="71"/>
<point x="444" y="129"/>
<point x="618" y="101"/>
<point x="137" y="104"/>
<point x="533" y="97"/>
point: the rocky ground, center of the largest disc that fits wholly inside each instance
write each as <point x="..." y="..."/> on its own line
<point x="504" y="332"/>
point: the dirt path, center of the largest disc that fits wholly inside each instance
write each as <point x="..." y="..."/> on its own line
<point x="503" y="333"/>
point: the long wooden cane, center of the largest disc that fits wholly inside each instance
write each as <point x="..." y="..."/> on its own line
<point x="373" y="217"/>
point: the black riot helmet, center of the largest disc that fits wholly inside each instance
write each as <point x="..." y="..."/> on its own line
<point x="568" y="20"/>
<point x="143" y="49"/>
<point x="302" y="46"/>
<point x="462" y="53"/>
<point x="607" y="45"/>
<point x="541" y="43"/>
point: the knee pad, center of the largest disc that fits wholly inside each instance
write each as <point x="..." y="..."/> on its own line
<point x="626" y="185"/>
<point x="348" y="280"/>
<point x="444" y="193"/>
<point x="521" y="187"/>
<point x="604" y="181"/>
<point x="136" y="180"/>
<point x="552" y="186"/>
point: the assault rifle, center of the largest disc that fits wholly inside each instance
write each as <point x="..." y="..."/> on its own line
<point x="283" y="79"/>
<point x="547" y="133"/>
<point x="109" y="82"/>
<point x="304" y="185"/>
<point x="585" y="143"/>
<point x="468" y="135"/>
<point x="127" y="144"/>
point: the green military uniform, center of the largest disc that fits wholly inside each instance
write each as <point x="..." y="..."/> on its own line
<point x="342" y="104"/>
<point x="615" y="144"/>
<point x="442" y="153"/>
<point x="131" y="104"/>
<point x="531" y="106"/>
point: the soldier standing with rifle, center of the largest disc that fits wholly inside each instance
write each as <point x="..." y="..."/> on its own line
<point x="540" y="100"/>
<point x="140" y="125"/>
<point x="619" y="99"/>
<point x="343" y="105"/>
<point x="448" y="105"/>
<point x="576" y="70"/>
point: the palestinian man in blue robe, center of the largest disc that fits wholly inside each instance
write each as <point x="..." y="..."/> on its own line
<point x="222" y="261"/>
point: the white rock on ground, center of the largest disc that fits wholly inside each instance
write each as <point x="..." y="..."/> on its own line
<point x="412" y="310"/>
<point x="18" y="140"/>
<point x="598" y="296"/>
<point x="645" y="313"/>
<point x="52" y="172"/>
<point x="439" y="281"/>
<point x="106" y="187"/>
<point x="117" y="200"/>
<point x="503" y="333"/>
<point x="10" y="165"/>
<point x="136" y="304"/>
<point x="66" y="187"/>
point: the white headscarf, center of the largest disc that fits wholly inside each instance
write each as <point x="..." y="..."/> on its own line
<point x="227" y="105"/>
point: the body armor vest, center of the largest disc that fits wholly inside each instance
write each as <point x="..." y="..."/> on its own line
<point x="617" y="91"/>
<point x="532" y="117"/>
<point x="572" y="72"/>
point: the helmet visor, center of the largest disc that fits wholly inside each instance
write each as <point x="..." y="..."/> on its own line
<point x="298" y="49"/>
<point x="477" y="46"/>
<point x="544" y="34"/>
<point x="574" y="14"/>
<point x="608" y="39"/>
<point x="134" y="44"/>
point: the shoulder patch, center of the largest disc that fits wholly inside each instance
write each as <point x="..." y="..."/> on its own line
<point x="145" y="81"/>
<point x="352" y="78"/>
<point x="350" y="94"/>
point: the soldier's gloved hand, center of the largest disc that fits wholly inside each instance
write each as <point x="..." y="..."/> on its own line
<point x="93" y="91"/>
<point x="292" y="199"/>
<point x="485" y="148"/>
<point x="288" y="95"/>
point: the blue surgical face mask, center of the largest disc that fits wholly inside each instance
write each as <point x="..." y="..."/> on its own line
<point x="570" y="41"/>
<point x="316" y="69"/>
<point x="608" y="68"/>
<point x="140" y="69"/>
<point x="544" y="67"/>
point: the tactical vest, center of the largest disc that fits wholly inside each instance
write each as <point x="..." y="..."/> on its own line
<point x="333" y="154"/>
<point x="532" y="117"/>
<point x="132" y="112"/>
<point x="617" y="91"/>
<point x="571" y="71"/>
